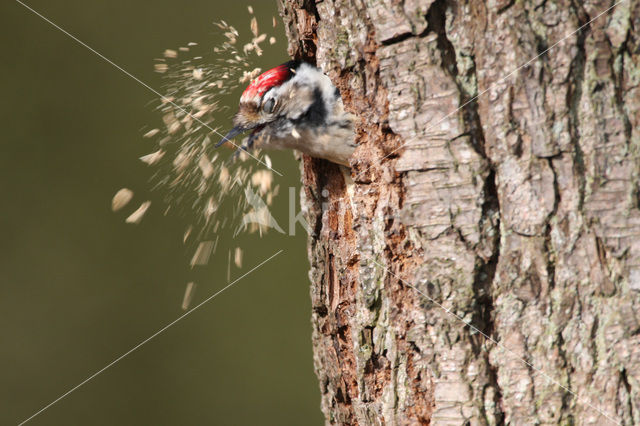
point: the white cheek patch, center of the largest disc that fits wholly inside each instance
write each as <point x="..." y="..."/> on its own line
<point x="296" y="99"/>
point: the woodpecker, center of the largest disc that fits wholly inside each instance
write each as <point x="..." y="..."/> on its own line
<point x="295" y="106"/>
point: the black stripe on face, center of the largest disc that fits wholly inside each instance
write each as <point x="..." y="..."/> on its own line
<point x="317" y="112"/>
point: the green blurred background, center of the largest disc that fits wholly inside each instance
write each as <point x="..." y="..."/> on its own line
<point x="79" y="287"/>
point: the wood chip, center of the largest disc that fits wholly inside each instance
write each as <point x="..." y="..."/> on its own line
<point x="248" y="48"/>
<point x="188" y="295"/>
<point x="202" y="254"/>
<point x="237" y="257"/>
<point x="272" y="40"/>
<point x="254" y="26"/>
<point x="152" y="158"/>
<point x="263" y="180"/>
<point x="137" y="216"/>
<point x="173" y="127"/>
<point x="250" y="9"/>
<point x="121" y="199"/>
<point x="181" y="161"/>
<point x="210" y="209"/>
<point x="186" y="234"/>
<point x="170" y="53"/>
<point x="161" y="68"/>
<point x="205" y="166"/>
<point x="223" y="178"/>
<point x="170" y="117"/>
<point x="151" y="133"/>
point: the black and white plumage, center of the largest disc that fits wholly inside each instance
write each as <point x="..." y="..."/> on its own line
<point x="295" y="106"/>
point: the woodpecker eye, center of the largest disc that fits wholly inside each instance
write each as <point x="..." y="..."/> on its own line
<point x="268" y="105"/>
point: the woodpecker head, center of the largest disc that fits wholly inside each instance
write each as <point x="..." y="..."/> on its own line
<point x="294" y="106"/>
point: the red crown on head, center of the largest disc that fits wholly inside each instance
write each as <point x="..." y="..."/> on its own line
<point x="265" y="81"/>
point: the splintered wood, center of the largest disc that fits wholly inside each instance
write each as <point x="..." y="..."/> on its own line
<point x="196" y="179"/>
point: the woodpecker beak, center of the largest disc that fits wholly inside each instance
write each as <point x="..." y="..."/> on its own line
<point x="237" y="130"/>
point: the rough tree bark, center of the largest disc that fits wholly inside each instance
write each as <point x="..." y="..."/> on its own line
<point x="518" y="213"/>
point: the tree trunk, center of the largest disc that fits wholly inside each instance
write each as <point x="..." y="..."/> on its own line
<point x="484" y="266"/>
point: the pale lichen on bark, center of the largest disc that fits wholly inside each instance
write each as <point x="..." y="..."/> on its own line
<point x="516" y="211"/>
